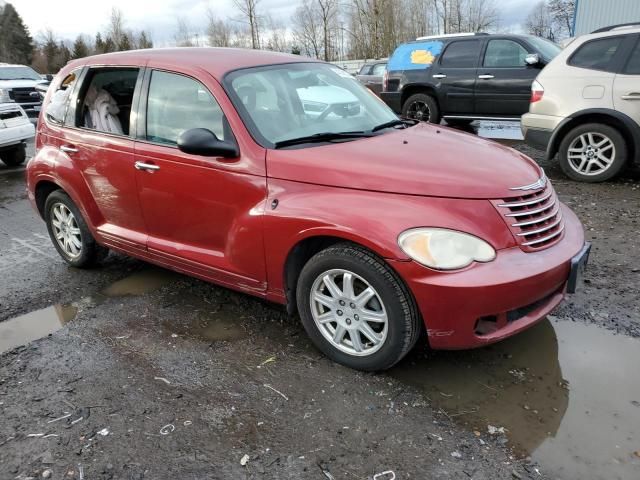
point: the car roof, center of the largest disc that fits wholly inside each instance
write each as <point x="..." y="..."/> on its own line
<point x="217" y="61"/>
<point x="622" y="30"/>
<point x="469" y="36"/>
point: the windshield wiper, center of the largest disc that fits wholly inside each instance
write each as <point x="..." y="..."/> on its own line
<point x="393" y="123"/>
<point x="321" y="137"/>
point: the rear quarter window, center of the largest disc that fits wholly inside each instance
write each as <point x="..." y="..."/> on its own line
<point x="596" y="54"/>
<point x="633" y="64"/>
<point x="415" y="56"/>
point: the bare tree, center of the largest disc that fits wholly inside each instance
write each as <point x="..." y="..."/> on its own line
<point x="116" y="29"/>
<point x="183" y="35"/>
<point x="328" y="12"/>
<point x="562" y="13"/>
<point x="249" y="11"/>
<point x="539" y="21"/>
<point x="277" y="39"/>
<point x="219" y="32"/>
<point x="307" y="31"/>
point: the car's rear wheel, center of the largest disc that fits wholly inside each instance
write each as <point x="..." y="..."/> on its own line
<point x="69" y="232"/>
<point x="356" y="309"/>
<point x="592" y="153"/>
<point x="15" y="156"/>
<point x="421" y="107"/>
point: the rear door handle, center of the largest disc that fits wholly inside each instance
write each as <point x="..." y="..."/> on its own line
<point x="68" y="149"/>
<point x="150" y="167"/>
<point x="631" y="96"/>
<point x="485" y="77"/>
<point x="439" y="75"/>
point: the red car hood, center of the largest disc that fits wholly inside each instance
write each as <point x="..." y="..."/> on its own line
<point x="422" y="160"/>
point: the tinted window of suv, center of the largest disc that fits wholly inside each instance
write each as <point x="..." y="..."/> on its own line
<point x="633" y="65"/>
<point x="596" y="54"/>
<point x="461" y="54"/>
<point x="504" y="53"/>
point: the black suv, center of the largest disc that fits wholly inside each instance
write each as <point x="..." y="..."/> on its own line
<point x="465" y="77"/>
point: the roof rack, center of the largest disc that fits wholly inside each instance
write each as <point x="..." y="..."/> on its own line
<point x="447" y="35"/>
<point x="621" y="26"/>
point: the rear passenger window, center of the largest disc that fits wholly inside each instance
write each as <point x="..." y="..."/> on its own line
<point x="105" y="100"/>
<point x="461" y="54"/>
<point x="504" y="53"/>
<point x="596" y="54"/>
<point x="633" y="65"/>
<point x="365" y="70"/>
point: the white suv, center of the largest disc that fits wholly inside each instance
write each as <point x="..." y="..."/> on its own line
<point x="585" y="104"/>
<point x="15" y="130"/>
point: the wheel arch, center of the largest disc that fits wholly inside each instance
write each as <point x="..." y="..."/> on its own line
<point x="412" y="89"/>
<point x="42" y="190"/>
<point x="629" y="129"/>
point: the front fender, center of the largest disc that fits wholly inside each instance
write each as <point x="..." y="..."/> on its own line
<point x="371" y="219"/>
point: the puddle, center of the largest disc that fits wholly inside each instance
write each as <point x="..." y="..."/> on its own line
<point x="506" y="133"/>
<point x="31" y="326"/>
<point x="27" y="328"/>
<point x="139" y="283"/>
<point x="567" y="393"/>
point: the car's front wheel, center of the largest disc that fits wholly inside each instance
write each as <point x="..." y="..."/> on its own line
<point x="592" y="153"/>
<point x="15" y="156"/>
<point x="69" y="232"/>
<point x="356" y="309"/>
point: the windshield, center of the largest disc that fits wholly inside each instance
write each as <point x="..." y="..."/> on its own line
<point x="547" y="48"/>
<point x="18" y="73"/>
<point x="284" y="102"/>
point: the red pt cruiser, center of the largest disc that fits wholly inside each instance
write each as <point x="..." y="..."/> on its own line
<point x="284" y="178"/>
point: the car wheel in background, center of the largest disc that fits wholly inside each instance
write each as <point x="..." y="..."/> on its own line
<point x="592" y="153"/>
<point x="356" y="309"/>
<point x="69" y="232"/>
<point x="14" y="157"/>
<point x="421" y="107"/>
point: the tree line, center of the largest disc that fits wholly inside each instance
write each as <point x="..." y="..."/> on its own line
<point x="327" y="29"/>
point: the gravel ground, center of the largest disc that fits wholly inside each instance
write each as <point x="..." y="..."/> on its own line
<point x="164" y="376"/>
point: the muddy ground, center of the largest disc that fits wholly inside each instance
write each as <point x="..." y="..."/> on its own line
<point x="150" y="374"/>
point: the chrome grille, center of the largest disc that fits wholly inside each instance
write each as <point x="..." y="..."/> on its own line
<point x="534" y="218"/>
<point x="24" y="95"/>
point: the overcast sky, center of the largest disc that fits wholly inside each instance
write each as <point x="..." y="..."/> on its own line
<point x="71" y="17"/>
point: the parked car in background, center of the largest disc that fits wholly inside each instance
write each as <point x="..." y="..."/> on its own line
<point x="585" y="105"/>
<point x="465" y="77"/>
<point x="373" y="228"/>
<point x="371" y="75"/>
<point x="18" y="84"/>
<point x="15" y="130"/>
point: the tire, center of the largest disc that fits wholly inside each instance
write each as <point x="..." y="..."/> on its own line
<point x="391" y="300"/>
<point x="14" y="157"/>
<point x="85" y="252"/>
<point x="421" y="107"/>
<point x="587" y="148"/>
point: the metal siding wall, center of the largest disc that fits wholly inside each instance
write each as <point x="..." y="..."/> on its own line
<point x="594" y="14"/>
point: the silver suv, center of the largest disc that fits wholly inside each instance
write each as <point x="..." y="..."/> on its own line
<point x="18" y="84"/>
<point x="585" y="104"/>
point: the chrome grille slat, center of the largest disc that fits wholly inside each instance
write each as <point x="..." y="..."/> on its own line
<point x="541" y="230"/>
<point x="537" y="220"/>
<point x="545" y="239"/>
<point x="528" y="202"/>
<point x="534" y="217"/>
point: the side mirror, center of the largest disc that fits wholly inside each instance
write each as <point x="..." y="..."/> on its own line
<point x="200" y="141"/>
<point x="532" y="59"/>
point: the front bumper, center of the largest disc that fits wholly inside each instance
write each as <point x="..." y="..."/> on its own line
<point x="488" y="302"/>
<point x="10" y="136"/>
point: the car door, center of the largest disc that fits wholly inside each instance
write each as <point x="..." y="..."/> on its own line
<point x="626" y="86"/>
<point x="504" y="79"/>
<point x="203" y="214"/>
<point x="454" y="76"/>
<point x="105" y="158"/>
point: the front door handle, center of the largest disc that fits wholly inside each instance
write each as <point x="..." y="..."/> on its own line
<point x="439" y="75"/>
<point x="631" y="96"/>
<point x="149" y="167"/>
<point x="485" y="77"/>
<point x="68" y="149"/>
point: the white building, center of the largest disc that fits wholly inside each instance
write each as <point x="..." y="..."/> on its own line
<point x="594" y="14"/>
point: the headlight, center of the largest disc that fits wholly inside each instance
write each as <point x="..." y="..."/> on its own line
<point x="4" y="95"/>
<point x="444" y="249"/>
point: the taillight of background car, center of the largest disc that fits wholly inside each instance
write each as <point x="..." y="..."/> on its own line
<point x="537" y="91"/>
<point x="385" y="80"/>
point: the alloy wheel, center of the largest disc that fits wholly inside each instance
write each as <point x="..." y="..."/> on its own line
<point x="591" y="153"/>
<point x="349" y="312"/>
<point x="419" y="111"/>
<point x="66" y="230"/>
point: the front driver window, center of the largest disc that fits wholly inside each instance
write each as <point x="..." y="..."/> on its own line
<point x="178" y="103"/>
<point x="504" y="53"/>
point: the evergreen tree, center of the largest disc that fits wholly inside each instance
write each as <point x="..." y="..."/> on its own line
<point x="80" y="48"/>
<point x="64" y="55"/>
<point x="51" y="53"/>
<point x="99" y="46"/>
<point x="125" y="43"/>
<point x="109" y="45"/>
<point x="16" y="45"/>
<point x="144" y="41"/>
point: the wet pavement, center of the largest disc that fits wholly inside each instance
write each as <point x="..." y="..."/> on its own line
<point x="132" y="348"/>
